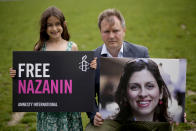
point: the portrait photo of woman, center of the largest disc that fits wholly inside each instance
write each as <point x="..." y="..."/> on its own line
<point x="142" y="95"/>
<point x="142" y="89"/>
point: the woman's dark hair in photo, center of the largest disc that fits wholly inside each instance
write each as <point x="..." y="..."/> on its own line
<point x="121" y="98"/>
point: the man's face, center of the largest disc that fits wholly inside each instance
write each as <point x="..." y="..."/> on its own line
<point x="112" y="32"/>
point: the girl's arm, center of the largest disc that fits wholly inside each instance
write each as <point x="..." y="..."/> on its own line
<point x="74" y="47"/>
<point x="12" y="73"/>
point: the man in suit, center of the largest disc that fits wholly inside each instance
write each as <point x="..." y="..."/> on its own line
<point x="112" y="28"/>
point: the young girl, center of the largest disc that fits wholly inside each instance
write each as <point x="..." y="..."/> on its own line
<point x="54" y="36"/>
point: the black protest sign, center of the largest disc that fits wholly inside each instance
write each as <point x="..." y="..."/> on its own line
<point x="53" y="81"/>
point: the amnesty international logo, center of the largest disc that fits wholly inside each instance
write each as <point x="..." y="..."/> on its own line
<point x="84" y="65"/>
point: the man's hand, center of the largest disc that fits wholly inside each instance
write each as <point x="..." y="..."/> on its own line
<point x="98" y="119"/>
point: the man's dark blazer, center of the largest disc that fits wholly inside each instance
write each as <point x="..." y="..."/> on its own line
<point x="129" y="50"/>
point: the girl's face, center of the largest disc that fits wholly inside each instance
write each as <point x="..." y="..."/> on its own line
<point x="143" y="93"/>
<point x="54" y="28"/>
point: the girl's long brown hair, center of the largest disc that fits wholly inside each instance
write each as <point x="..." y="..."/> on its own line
<point x="51" y="11"/>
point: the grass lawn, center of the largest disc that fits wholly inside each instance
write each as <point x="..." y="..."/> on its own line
<point x="166" y="27"/>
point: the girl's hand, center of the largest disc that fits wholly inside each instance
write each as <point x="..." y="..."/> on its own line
<point x="12" y="73"/>
<point x="93" y="63"/>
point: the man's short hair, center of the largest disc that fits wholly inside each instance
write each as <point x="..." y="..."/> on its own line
<point x="108" y="13"/>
